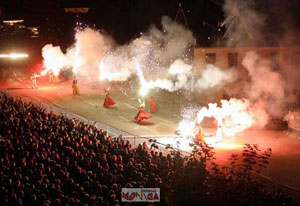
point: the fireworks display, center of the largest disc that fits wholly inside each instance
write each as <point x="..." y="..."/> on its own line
<point x="159" y="59"/>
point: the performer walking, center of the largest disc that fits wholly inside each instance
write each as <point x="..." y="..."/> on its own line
<point x="33" y="79"/>
<point x="152" y="105"/>
<point x="74" y="86"/>
<point x="142" y="114"/>
<point x="108" y="100"/>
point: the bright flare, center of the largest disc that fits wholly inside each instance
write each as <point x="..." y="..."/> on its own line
<point x="105" y="74"/>
<point x="54" y="59"/>
<point x="232" y="117"/>
<point x="44" y="72"/>
<point x="14" y="56"/>
<point x="76" y="62"/>
<point x="187" y="128"/>
<point x="143" y="91"/>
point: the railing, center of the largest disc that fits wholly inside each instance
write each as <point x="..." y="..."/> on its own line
<point x="134" y="140"/>
<point x="113" y="131"/>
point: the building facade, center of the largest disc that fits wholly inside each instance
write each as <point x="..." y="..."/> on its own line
<point x="285" y="60"/>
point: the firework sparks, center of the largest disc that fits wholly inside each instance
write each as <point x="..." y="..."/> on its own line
<point x="76" y="62"/>
<point x="145" y="85"/>
<point x="187" y="128"/>
<point x="233" y="116"/>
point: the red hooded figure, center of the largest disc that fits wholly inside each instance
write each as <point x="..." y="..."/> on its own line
<point x="152" y="105"/>
<point x="108" y="100"/>
<point x="142" y="114"/>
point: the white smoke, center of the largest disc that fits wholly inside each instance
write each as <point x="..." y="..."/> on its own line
<point x="54" y="59"/>
<point x="174" y="38"/>
<point x="159" y="53"/>
<point x="84" y="56"/>
<point x="213" y="77"/>
<point x="266" y="85"/>
<point x="244" y="23"/>
<point x="162" y="56"/>
<point x="92" y="47"/>
<point x="180" y="76"/>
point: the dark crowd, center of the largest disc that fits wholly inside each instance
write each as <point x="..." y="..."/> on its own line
<point x="48" y="159"/>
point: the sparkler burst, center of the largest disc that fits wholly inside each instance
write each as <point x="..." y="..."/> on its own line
<point x="76" y="61"/>
<point x="233" y="116"/>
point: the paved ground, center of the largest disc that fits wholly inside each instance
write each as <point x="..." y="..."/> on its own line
<point x="284" y="167"/>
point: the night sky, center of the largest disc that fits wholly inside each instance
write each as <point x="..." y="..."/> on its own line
<point x="126" y="19"/>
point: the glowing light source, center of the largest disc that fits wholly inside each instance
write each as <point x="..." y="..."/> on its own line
<point x="76" y="62"/>
<point x="187" y="128"/>
<point x="11" y="22"/>
<point x="54" y="59"/>
<point x="143" y="91"/>
<point x="44" y="72"/>
<point x="13" y="56"/>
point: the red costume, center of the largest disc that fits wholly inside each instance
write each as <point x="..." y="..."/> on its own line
<point x="142" y="114"/>
<point x="199" y="137"/>
<point x="152" y="105"/>
<point x="108" y="101"/>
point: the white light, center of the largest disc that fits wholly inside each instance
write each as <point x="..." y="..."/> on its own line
<point x="13" y="56"/>
<point x="143" y="91"/>
<point x="12" y="21"/>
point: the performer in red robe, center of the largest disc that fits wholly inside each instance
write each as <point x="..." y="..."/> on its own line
<point x="142" y="114"/>
<point x="199" y="136"/>
<point x="108" y="100"/>
<point x="152" y="105"/>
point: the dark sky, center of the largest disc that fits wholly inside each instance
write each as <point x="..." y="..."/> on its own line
<point x="125" y="19"/>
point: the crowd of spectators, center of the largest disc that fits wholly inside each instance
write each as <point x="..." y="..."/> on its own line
<point x="48" y="159"/>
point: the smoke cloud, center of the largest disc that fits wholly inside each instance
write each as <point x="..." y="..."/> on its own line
<point x="163" y="57"/>
<point x="84" y="56"/>
<point x="266" y="85"/>
<point x="243" y="22"/>
<point x="54" y="58"/>
<point x="155" y="51"/>
<point x="92" y="46"/>
<point x="163" y="61"/>
<point x="213" y="77"/>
